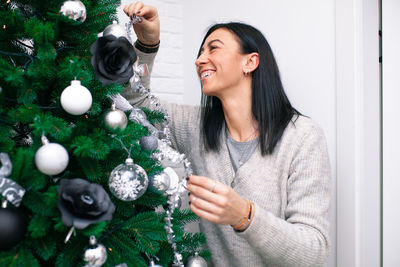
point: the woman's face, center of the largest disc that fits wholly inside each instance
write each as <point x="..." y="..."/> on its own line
<point x="220" y="64"/>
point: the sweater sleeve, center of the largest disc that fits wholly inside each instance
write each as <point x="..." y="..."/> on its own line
<point x="301" y="239"/>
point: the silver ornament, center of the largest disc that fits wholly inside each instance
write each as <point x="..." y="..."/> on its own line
<point x="159" y="183"/>
<point x="128" y="181"/>
<point x="152" y="264"/>
<point x="115" y="119"/>
<point x="177" y="201"/>
<point x="114" y="29"/>
<point x="196" y="261"/>
<point x="74" y="9"/>
<point x="76" y="99"/>
<point x="96" y="256"/>
<point x="173" y="180"/>
<point x="51" y="158"/>
<point x="148" y="142"/>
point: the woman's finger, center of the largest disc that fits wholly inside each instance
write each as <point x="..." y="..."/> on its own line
<point x="148" y="12"/>
<point x="206" y="194"/>
<point x="200" y="203"/>
<point x="209" y="184"/>
<point x="205" y="214"/>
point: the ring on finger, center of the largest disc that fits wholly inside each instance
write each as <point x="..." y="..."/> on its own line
<point x="213" y="186"/>
<point x="194" y="199"/>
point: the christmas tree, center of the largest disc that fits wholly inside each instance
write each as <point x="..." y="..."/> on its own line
<point x="68" y="153"/>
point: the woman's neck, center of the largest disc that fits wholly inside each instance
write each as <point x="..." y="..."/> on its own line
<point x="239" y="118"/>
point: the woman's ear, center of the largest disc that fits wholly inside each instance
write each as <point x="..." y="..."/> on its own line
<point x="251" y="63"/>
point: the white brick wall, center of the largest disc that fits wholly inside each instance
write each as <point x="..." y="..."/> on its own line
<point x="167" y="76"/>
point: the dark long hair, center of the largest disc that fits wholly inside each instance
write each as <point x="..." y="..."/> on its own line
<point x="270" y="105"/>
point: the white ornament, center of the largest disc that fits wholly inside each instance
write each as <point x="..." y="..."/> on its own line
<point x="173" y="180"/>
<point x="51" y="158"/>
<point x="128" y="181"/>
<point x="76" y="99"/>
<point x="114" y="29"/>
<point x="74" y="9"/>
<point x="115" y="119"/>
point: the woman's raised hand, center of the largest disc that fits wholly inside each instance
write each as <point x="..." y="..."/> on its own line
<point x="147" y="31"/>
<point x="216" y="202"/>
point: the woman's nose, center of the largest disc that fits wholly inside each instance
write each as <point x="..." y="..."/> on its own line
<point x="200" y="60"/>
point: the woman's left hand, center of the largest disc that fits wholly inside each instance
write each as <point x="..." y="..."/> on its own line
<point x="216" y="202"/>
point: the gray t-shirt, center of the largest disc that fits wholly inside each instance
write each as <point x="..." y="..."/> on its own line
<point x="240" y="152"/>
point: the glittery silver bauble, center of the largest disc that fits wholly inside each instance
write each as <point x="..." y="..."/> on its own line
<point x="177" y="201"/>
<point x="76" y="99"/>
<point x="74" y="9"/>
<point x="51" y="158"/>
<point x="159" y="183"/>
<point x="96" y="256"/>
<point x="114" y="29"/>
<point x="128" y="181"/>
<point x="148" y="142"/>
<point x="173" y="180"/>
<point x="196" y="261"/>
<point x="115" y="119"/>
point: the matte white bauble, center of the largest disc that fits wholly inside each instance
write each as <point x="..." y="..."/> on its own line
<point x="76" y="99"/>
<point x="51" y="158"/>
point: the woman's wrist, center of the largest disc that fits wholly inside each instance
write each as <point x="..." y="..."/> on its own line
<point x="147" y="48"/>
<point x="246" y="220"/>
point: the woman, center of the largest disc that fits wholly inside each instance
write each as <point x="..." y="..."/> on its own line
<point x="262" y="182"/>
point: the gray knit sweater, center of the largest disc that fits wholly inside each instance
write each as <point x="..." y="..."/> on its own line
<point x="290" y="189"/>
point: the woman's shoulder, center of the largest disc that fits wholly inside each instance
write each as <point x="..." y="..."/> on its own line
<point x="301" y="126"/>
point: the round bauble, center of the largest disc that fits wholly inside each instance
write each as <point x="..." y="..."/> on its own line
<point x="51" y="159"/>
<point x="128" y="181"/>
<point x="96" y="256"/>
<point x="76" y="99"/>
<point x="114" y="29"/>
<point x="152" y="264"/>
<point x="173" y="180"/>
<point x="159" y="183"/>
<point x="74" y="9"/>
<point x="148" y="142"/>
<point x="115" y="120"/>
<point x="13" y="226"/>
<point x="196" y="261"/>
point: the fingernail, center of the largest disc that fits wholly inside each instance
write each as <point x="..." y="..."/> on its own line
<point x="190" y="203"/>
<point x="189" y="194"/>
<point x="138" y="12"/>
<point x="187" y="178"/>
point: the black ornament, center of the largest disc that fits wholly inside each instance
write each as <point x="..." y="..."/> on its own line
<point x="113" y="59"/>
<point x="13" y="226"/>
<point x="22" y="134"/>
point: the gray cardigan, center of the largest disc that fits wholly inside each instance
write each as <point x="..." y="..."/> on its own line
<point x="290" y="189"/>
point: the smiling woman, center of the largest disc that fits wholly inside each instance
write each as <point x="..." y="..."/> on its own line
<point x="262" y="182"/>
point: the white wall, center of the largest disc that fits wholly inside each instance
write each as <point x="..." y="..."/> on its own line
<point x="167" y="77"/>
<point x="302" y="37"/>
<point x="391" y="131"/>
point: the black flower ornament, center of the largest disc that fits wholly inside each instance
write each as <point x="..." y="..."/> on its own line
<point x="113" y="58"/>
<point x="82" y="203"/>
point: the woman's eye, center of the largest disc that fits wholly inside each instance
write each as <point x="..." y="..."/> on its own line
<point x="212" y="48"/>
